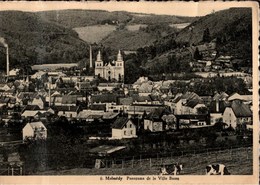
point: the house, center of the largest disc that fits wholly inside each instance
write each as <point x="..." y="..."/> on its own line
<point x="98" y="107"/>
<point x="35" y="130"/>
<point x="5" y="87"/>
<point x="39" y="101"/>
<point x="67" y="111"/>
<point x="84" y="86"/>
<point x="69" y="100"/>
<point x="234" y="96"/>
<point x="14" y="72"/>
<point x="84" y="114"/>
<point x="192" y="121"/>
<point x="237" y="113"/>
<point x="220" y="96"/>
<point x="108" y="99"/>
<point x="139" y="109"/>
<point x="123" y="127"/>
<point x="153" y="121"/>
<point x="40" y="75"/>
<point x="4" y="101"/>
<point x="56" y="99"/>
<point x="137" y="99"/>
<point x="188" y="103"/>
<point x="125" y="100"/>
<point x="108" y="86"/>
<point x="146" y="89"/>
<point x="245" y="98"/>
<point x="139" y="82"/>
<point x="24" y="97"/>
<point x="216" y="110"/>
<point x="29" y="113"/>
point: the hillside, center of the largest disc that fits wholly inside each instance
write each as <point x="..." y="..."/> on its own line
<point x="33" y="40"/>
<point x="95" y="33"/>
<point x="81" y="18"/>
<point x="237" y="19"/>
<point x="152" y="18"/>
<point x="231" y="28"/>
<point x="137" y="36"/>
<point x="98" y="26"/>
<point x="128" y="40"/>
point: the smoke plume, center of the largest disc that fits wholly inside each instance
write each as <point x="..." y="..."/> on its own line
<point x="2" y="41"/>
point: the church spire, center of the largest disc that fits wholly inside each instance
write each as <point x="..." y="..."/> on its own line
<point x="119" y="56"/>
<point x="99" y="56"/>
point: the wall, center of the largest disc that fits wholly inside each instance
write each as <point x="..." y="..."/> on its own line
<point x="229" y="117"/>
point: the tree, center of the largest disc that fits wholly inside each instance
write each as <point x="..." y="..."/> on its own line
<point x="202" y="110"/>
<point x="206" y="35"/>
<point x="170" y="120"/>
<point x="197" y="54"/>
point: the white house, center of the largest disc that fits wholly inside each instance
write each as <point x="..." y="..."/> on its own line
<point x="237" y="113"/>
<point x="35" y="130"/>
<point x="123" y="127"/>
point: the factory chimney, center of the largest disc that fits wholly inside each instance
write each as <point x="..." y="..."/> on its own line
<point x="7" y="61"/>
<point x="90" y="57"/>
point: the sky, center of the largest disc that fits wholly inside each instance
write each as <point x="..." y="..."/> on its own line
<point x="167" y="8"/>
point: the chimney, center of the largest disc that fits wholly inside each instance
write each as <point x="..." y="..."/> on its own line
<point x="7" y="61"/>
<point x="90" y="57"/>
<point x="49" y="94"/>
<point x="217" y="105"/>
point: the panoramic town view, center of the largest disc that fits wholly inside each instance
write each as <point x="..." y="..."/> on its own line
<point x="96" y="92"/>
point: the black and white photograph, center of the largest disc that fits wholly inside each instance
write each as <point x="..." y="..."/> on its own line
<point x="129" y="90"/>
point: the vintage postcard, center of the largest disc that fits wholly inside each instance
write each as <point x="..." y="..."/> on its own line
<point x="129" y="92"/>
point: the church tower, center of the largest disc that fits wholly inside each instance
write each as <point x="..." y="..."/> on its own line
<point x="99" y="62"/>
<point x="119" y="67"/>
<point x="99" y="65"/>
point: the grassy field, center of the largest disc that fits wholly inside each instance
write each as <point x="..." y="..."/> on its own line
<point x="135" y="27"/>
<point x="94" y="33"/>
<point x="238" y="161"/>
<point x="180" y="26"/>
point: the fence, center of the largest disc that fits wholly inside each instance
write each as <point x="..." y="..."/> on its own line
<point x="194" y="162"/>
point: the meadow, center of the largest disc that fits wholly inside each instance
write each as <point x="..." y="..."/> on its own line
<point x="239" y="161"/>
<point x="94" y="33"/>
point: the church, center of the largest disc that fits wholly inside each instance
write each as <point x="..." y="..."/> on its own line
<point x="111" y="71"/>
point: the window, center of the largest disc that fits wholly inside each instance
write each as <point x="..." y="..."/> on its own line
<point x="124" y="132"/>
<point x="131" y="132"/>
<point x="130" y="125"/>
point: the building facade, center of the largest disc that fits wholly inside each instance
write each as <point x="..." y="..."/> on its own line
<point x="111" y="71"/>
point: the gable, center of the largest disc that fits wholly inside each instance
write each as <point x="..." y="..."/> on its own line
<point x="228" y="110"/>
<point x="27" y="127"/>
<point x="130" y="124"/>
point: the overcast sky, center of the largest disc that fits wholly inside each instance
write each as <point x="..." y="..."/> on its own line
<point x="168" y="8"/>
